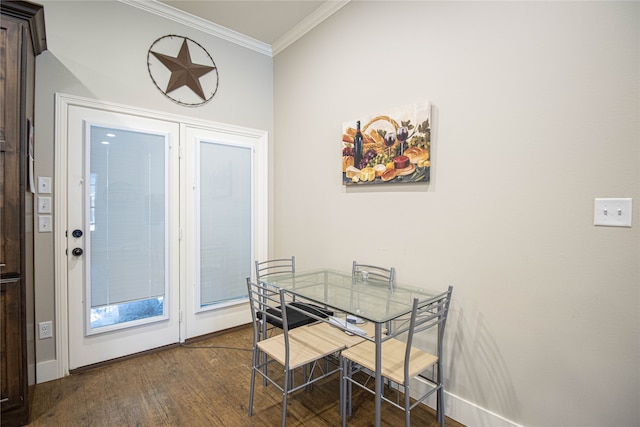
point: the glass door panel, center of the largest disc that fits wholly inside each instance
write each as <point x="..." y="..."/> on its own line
<point x="127" y="228"/>
<point x="225" y="222"/>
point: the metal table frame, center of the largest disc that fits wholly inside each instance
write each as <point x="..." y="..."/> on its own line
<point x="373" y="302"/>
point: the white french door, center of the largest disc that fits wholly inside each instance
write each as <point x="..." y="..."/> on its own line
<point x="122" y="236"/>
<point x="163" y="221"/>
<point x="219" y="229"/>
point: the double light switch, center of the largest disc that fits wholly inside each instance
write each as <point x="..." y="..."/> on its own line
<point x="612" y="212"/>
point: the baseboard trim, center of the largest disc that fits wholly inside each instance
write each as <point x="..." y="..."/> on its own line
<point x="47" y="371"/>
<point x="470" y="414"/>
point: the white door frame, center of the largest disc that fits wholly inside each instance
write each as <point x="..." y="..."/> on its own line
<point x="63" y="102"/>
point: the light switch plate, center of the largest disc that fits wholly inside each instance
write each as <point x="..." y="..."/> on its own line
<point x="612" y="212"/>
<point x="44" y="204"/>
<point x="44" y="184"/>
<point x="44" y="224"/>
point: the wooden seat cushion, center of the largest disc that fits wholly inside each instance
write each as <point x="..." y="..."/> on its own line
<point x="304" y="348"/>
<point x="393" y="352"/>
<point x="323" y="330"/>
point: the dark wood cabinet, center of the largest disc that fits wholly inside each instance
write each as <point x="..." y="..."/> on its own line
<point x="22" y="37"/>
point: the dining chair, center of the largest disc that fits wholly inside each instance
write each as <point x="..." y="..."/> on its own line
<point x="402" y="361"/>
<point x="275" y="266"/>
<point x="298" y="314"/>
<point x="297" y="318"/>
<point x="291" y="351"/>
<point x="373" y="274"/>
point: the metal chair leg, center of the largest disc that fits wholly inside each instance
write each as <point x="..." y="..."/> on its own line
<point x="253" y="382"/>
<point x="285" y="394"/>
<point x="346" y="390"/>
<point x="341" y="373"/>
<point x="407" y="406"/>
<point x="350" y="387"/>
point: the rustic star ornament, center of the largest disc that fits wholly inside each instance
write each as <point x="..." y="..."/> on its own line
<point x="184" y="72"/>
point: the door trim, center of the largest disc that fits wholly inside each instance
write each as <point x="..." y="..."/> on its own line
<point x="62" y="104"/>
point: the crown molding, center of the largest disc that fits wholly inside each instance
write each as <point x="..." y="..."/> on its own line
<point x="316" y="17"/>
<point x="166" y="11"/>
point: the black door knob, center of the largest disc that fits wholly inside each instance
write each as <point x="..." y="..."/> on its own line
<point x="77" y="233"/>
<point x="77" y="251"/>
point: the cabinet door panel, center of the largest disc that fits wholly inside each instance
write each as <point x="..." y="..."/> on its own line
<point x="10" y="207"/>
<point x="11" y="363"/>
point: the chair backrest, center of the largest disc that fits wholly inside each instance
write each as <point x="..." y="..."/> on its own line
<point x="266" y="302"/>
<point x="373" y="274"/>
<point x="275" y="266"/>
<point x="427" y="314"/>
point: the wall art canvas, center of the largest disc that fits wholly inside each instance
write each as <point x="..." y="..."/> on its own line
<point x="396" y="147"/>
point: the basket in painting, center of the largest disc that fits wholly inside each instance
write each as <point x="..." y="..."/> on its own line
<point x="371" y="136"/>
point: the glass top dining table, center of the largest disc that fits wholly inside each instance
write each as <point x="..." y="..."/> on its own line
<point x="368" y="299"/>
<point x="374" y="301"/>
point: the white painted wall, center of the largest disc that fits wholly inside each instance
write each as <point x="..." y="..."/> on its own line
<point x="535" y="113"/>
<point x="98" y="50"/>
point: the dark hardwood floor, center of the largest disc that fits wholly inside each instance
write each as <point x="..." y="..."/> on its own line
<point x="204" y="383"/>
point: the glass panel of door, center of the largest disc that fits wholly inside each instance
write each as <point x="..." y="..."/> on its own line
<point x="127" y="228"/>
<point x="225" y="218"/>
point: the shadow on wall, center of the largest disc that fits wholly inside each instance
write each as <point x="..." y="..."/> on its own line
<point x="480" y="370"/>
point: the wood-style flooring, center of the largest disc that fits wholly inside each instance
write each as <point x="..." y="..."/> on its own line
<point x="204" y="383"/>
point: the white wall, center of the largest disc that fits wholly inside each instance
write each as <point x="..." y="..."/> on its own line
<point x="98" y="49"/>
<point x="535" y="113"/>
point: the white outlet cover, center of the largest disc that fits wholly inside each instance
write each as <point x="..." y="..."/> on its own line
<point x="611" y="212"/>
<point x="45" y="329"/>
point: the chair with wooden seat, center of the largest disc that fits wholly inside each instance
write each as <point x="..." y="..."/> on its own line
<point x="291" y="351"/>
<point x="373" y="274"/>
<point x="402" y="361"/>
<point x="296" y="318"/>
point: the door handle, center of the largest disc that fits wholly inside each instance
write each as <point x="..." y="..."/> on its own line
<point x="77" y="251"/>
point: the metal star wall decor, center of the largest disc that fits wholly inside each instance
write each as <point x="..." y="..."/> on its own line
<point x="189" y="77"/>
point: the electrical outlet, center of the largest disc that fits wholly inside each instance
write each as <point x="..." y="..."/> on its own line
<point x="45" y="329"/>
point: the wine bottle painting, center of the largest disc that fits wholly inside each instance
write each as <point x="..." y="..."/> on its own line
<point x="388" y="148"/>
